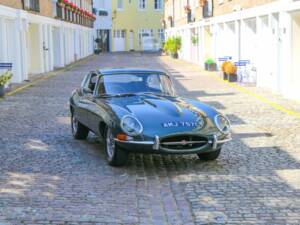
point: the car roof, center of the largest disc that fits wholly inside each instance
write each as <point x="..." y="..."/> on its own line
<point x="111" y="71"/>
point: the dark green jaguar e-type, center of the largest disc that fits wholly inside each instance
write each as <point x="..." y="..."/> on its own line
<point x="137" y="110"/>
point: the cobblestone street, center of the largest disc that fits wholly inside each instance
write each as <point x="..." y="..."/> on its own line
<point x="47" y="177"/>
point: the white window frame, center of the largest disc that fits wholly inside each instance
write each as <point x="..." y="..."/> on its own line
<point x="120" y="5"/>
<point x="161" y="34"/>
<point x="142" y="4"/>
<point x="158" y="5"/>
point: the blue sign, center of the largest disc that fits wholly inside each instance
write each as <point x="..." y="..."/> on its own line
<point x="225" y="58"/>
<point x="6" y="66"/>
<point x="222" y="59"/>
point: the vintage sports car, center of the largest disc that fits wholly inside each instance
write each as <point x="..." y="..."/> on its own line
<point x="137" y="110"/>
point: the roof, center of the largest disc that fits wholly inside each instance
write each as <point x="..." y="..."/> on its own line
<point x="128" y="70"/>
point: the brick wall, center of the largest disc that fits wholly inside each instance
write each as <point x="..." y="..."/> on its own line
<point x="228" y="5"/>
<point x="17" y="4"/>
<point x="45" y="6"/>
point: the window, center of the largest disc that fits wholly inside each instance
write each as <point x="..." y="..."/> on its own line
<point x="135" y="83"/>
<point x="103" y="13"/>
<point x="158" y="4"/>
<point x="89" y="83"/>
<point x="161" y="34"/>
<point x="32" y="5"/>
<point x="208" y="9"/>
<point x="120" y="5"/>
<point x="119" y="33"/>
<point x="142" y="4"/>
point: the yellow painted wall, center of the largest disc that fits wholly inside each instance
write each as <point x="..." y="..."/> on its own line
<point x="34" y="60"/>
<point x="131" y="18"/>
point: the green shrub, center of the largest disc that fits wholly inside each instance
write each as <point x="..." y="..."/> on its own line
<point x="5" y="78"/>
<point x="172" y="45"/>
<point x="209" y="61"/>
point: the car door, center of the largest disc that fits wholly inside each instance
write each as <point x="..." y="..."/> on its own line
<point x="99" y="109"/>
<point x="80" y="102"/>
<point x="93" y="111"/>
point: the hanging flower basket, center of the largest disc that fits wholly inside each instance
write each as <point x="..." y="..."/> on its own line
<point x="187" y="9"/>
<point x="202" y="3"/>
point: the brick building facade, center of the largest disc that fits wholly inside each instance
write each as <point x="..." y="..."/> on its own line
<point x="263" y="33"/>
<point x="37" y="36"/>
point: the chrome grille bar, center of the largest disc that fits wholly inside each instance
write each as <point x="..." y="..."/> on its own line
<point x="183" y="142"/>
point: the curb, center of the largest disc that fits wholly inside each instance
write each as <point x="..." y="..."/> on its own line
<point x="46" y="76"/>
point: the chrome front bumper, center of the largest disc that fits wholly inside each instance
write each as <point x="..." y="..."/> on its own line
<point x="156" y="145"/>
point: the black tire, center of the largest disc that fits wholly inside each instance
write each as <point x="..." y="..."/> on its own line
<point x="209" y="156"/>
<point x="79" y="131"/>
<point x="115" y="155"/>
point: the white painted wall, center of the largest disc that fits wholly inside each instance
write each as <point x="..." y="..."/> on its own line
<point x="103" y="22"/>
<point x="267" y="35"/>
<point x="36" y="44"/>
<point x="294" y="82"/>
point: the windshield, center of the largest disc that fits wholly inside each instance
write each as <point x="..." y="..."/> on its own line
<point x="118" y="84"/>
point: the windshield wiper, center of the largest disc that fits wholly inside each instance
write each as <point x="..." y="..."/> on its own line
<point x="116" y="95"/>
<point x="156" y="93"/>
<point x="124" y="95"/>
<point x="133" y="94"/>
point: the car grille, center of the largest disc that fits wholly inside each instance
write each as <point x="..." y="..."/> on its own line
<point x="181" y="142"/>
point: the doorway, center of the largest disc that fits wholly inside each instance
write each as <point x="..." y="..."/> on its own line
<point x="131" y="39"/>
<point x="35" y="63"/>
<point x="103" y="44"/>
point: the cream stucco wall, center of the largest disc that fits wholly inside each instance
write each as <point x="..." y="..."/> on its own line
<point x="295" y="76"/>
<point x="131" y="18"/>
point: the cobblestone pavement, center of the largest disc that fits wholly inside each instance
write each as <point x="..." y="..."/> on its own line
<point x="47" y="177"/>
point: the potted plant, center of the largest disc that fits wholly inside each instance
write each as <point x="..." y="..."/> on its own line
<point x="98" y="49"/>
<point x="225" y="76"/>
<point x="194" y="40"/>
<point x="166" y="46"/>
<point x="176" y="47"/>
<point x="210" y="65"/>
<point x="230" y="70"/>
<point x="4" y="80"/>
<point x="172" y="46"/>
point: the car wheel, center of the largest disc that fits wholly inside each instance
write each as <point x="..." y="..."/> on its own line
<point x="209" y="155"/>
<point x="114" y="154"/>
<point x="79" y="131"/>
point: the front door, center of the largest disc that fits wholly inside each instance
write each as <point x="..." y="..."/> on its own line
<point x="104" y="40"/>
<point x="131" y="41"/>
<point x="119" y="40"/>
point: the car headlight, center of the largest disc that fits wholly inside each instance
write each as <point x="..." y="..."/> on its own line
<point x="222" y="123"/>
<point x="131" y="126"/>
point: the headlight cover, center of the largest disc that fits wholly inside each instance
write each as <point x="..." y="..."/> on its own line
<point x="223" y="124"/>
<point x="131" y="126"/>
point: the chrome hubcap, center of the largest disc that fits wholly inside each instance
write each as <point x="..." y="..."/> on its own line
<point x="74" y="124"/>
<point x="110" y="144"/>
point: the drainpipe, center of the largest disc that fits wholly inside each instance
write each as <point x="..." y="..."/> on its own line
<point x="173" y="13"/>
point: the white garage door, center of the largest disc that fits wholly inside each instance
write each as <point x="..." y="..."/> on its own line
<point x="148" y="43"/>
<point x="119" y="40"/>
